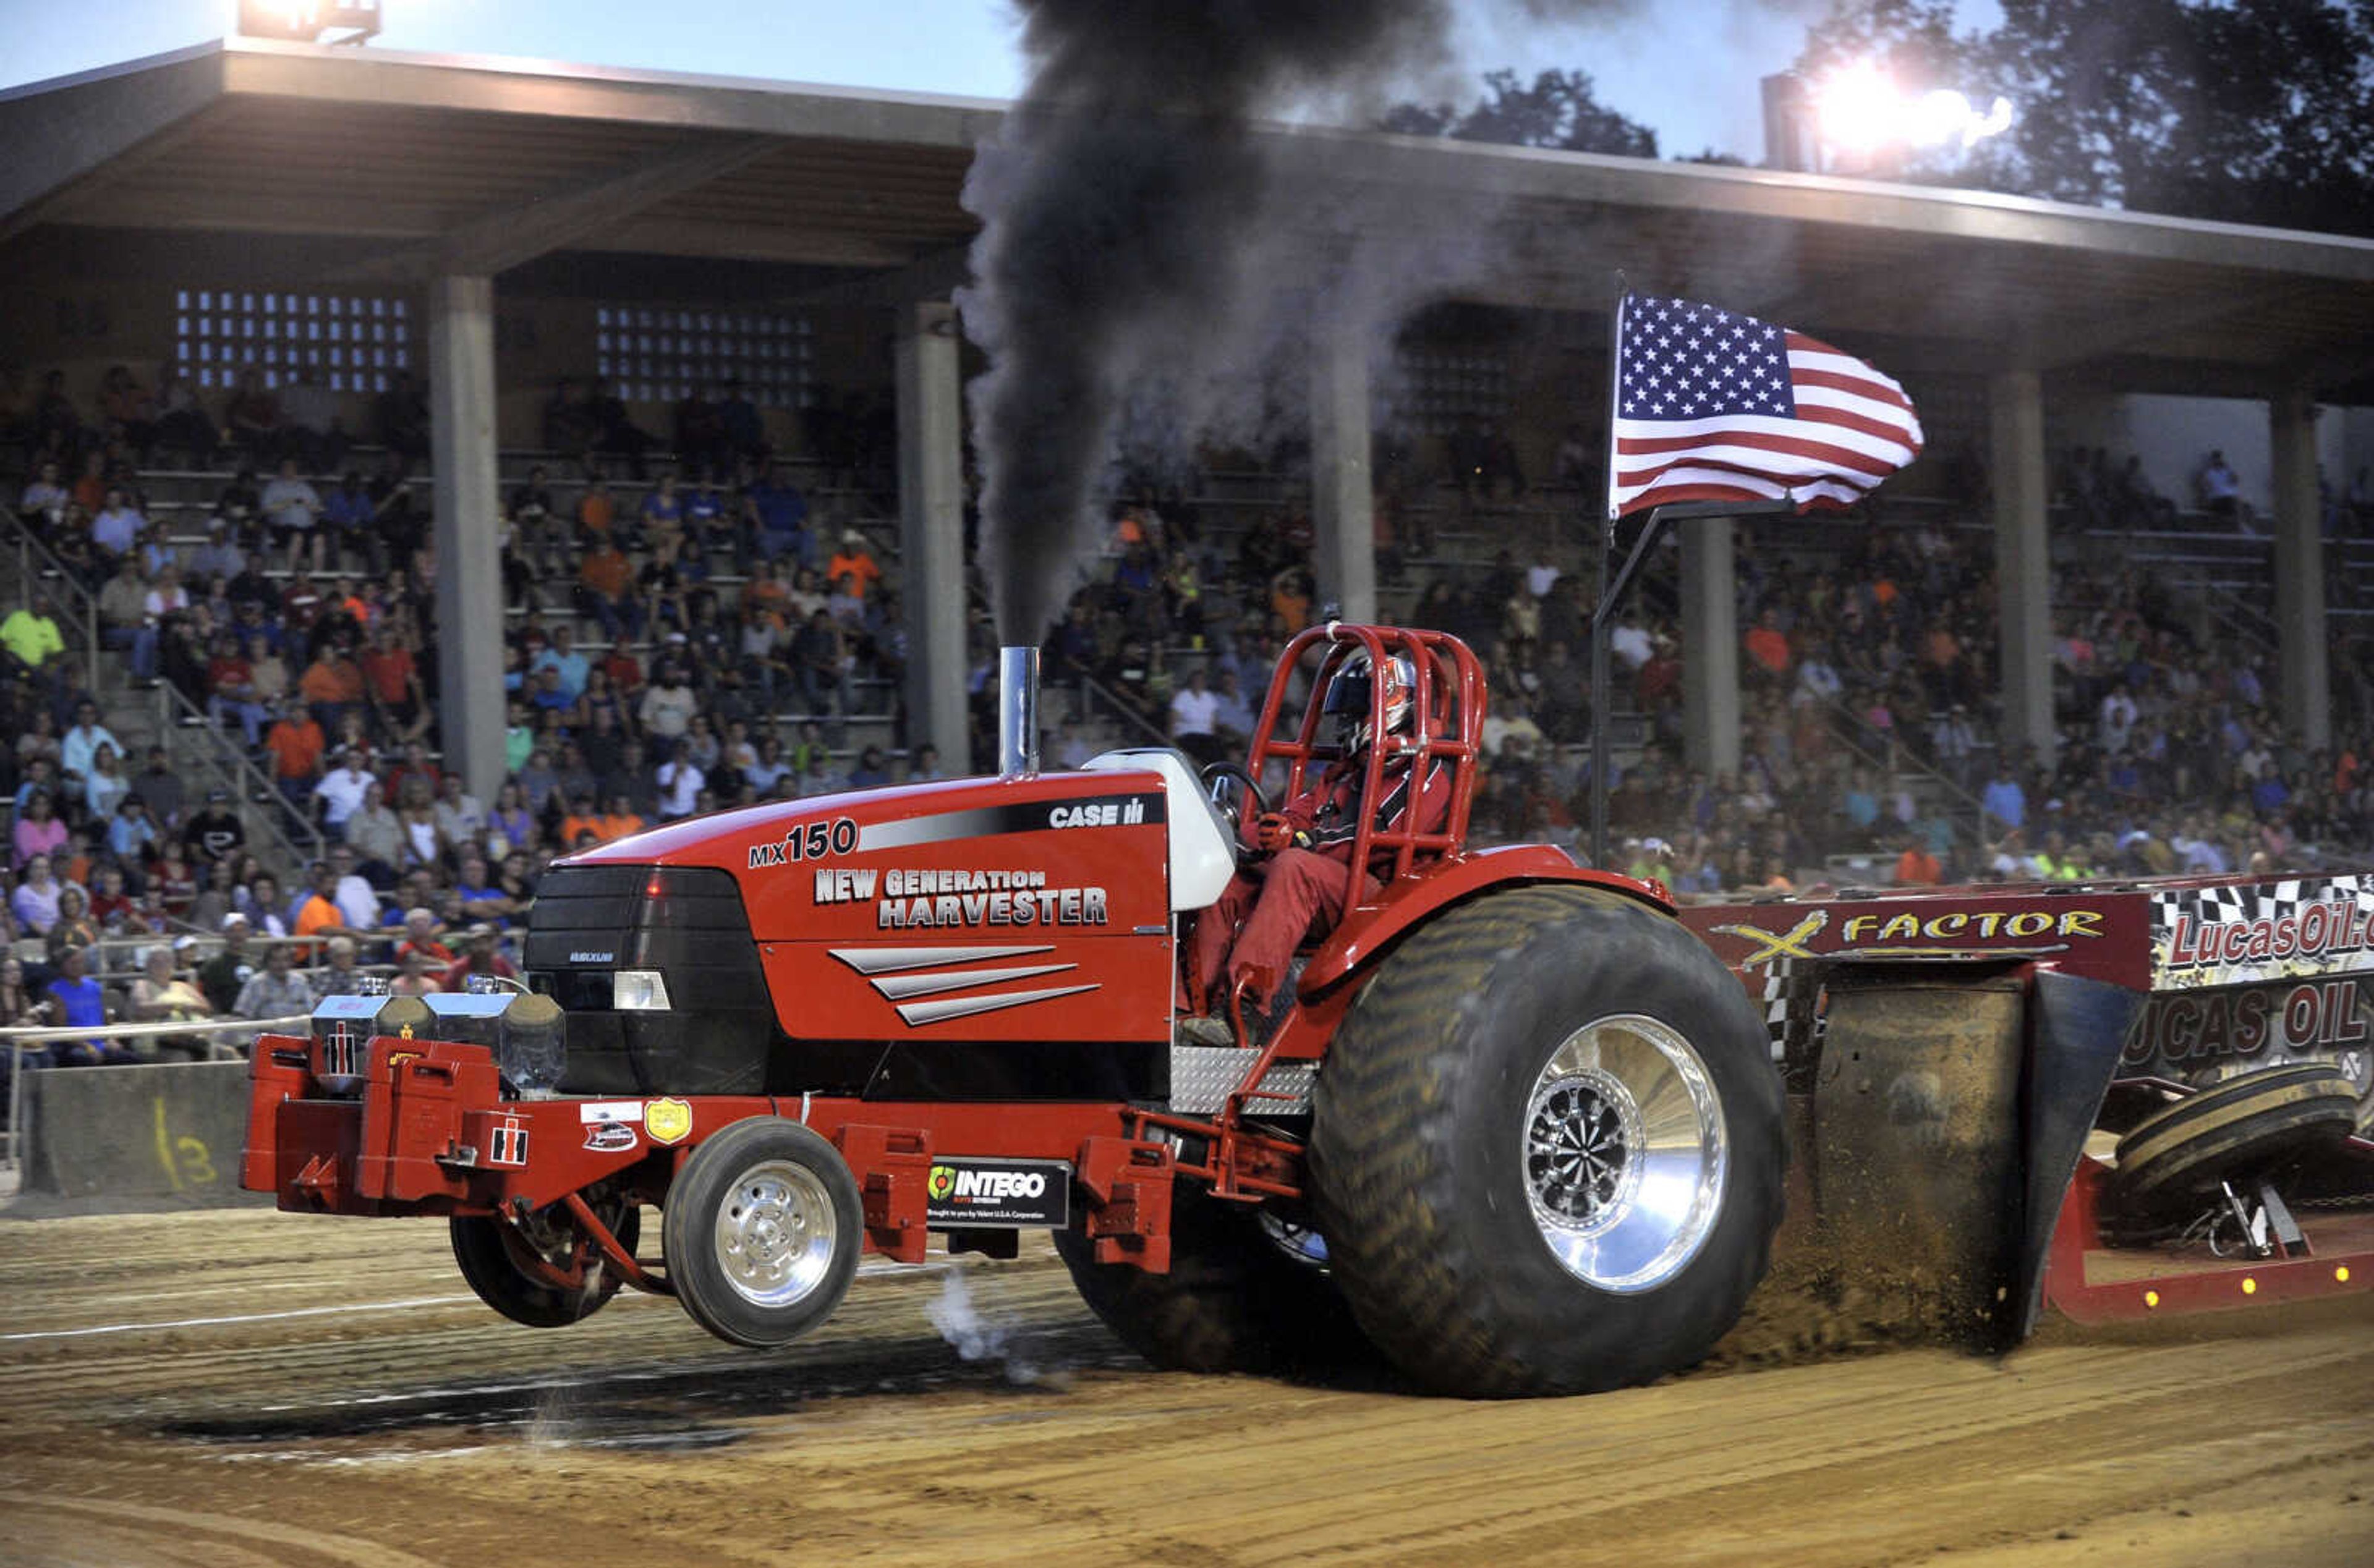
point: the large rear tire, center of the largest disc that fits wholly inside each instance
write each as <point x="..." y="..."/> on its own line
<point x="489" y="1251"/>
<point x="1547" y="1151"/>
<point x="763" y="1228"/>
<point x="1235" y="1298"/>
<point x="2236" y="1127"/>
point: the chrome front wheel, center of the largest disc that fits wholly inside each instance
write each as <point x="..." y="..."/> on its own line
<point x="1624" y="1153"/>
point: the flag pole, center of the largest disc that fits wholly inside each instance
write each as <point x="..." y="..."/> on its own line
<point x="1601" y="680"/>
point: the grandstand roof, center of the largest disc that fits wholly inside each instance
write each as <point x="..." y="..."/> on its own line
<point x="373" y="163"/>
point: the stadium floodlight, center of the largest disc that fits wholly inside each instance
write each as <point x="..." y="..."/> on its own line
<point x="1862" y="112"/>
<point x="307" y="20"/>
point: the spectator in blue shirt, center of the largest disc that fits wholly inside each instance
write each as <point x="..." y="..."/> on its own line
<point x="561" y="654"/>
<point x="77" y="1001"/>
<point x="781" y="513"/>
<point x="132" y="830"/>
<point x="349" y="513"/>
<point x="2004" y="800"/>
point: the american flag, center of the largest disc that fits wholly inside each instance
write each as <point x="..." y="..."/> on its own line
<point x="1711" y="406"/>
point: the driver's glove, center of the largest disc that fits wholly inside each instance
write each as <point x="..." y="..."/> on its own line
<point x="1274" y="830"/>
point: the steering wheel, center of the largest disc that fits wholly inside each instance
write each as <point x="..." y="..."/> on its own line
<point x="1217" y="777"/>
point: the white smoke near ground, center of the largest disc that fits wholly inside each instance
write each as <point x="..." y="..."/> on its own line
<point x="977" y="1338"/>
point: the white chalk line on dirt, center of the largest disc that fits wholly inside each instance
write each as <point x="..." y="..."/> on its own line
<point x="243" y="1318"/>
<point x="873" y="1268"/>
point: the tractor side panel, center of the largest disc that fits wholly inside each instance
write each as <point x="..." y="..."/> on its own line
<point x="1015" y="945"/>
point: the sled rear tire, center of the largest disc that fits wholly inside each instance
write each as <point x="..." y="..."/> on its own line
<point x="2235" y="1128"/>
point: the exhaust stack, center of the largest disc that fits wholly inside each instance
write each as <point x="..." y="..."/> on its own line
<point x="1018" y="711"/>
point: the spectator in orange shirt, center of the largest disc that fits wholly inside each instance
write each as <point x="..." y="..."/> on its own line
<point x="854" y="561"/>
<point x="605" y="583"/>
<point x="319" y="913"/>
<point x="91" y="489"/>
<point x="767" y="594"/>
<point x="332" y="685"/>
<point x="1917" y="867"/>
<point x="621" y="821"/>
<point x="582" y="822"/>
<point x="597" y="513"/>
<point x="345" y="600"/>
<point x="393" y="678"/>
<point x="296" y="744"/>
<point x="1768" y="645"/>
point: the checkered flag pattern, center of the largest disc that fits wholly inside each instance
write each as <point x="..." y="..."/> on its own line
<point x="2231" y="904"/>
<point x="1792" y="1014"/>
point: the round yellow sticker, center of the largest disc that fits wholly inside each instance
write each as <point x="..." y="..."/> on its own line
<point x="667" y="1121"/>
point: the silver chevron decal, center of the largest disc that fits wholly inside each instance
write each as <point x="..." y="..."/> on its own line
<point x="899" y="986"/>
<point x="884" y="960"/>
<point x="920" y="1012"/>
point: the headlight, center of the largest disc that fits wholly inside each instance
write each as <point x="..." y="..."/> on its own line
<point x="639" y="990"/>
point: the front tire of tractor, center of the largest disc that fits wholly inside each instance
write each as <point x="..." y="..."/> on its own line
<point x="1547" y="1152"/>
<point x="489" y="1251"/>
<point x="1233" y="1300"/>
<point x="763" y="1228"/>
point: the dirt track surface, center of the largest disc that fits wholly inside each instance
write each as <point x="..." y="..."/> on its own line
<point x="385" y="1420"/>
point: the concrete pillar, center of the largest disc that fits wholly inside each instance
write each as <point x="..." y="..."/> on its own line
<point x="2305" y="685"/>
<point x="2023" y="558"/>
<point x="1709" y="645"/>
<point x="931" y="529"/>
<point x="469" y="554"/>
<point x="1342" y="501"/>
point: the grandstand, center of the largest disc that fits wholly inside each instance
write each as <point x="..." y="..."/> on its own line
<point x="450" y="277"/>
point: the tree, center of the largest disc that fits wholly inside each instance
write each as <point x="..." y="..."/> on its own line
<point x="1559" y="110"/>
<point x="2246" y="110"/>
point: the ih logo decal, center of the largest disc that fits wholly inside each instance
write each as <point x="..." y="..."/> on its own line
<point x="667" y="1121"/>
<point x="507" y="1145"/>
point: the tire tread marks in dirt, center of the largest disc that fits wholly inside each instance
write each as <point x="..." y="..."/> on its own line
<point x="1415" y="1147"/>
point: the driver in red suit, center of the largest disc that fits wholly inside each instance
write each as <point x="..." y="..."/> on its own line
<point x="1298" y="888"/>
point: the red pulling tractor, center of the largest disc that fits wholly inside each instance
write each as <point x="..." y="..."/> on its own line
<point x="1507" y="1122"/>
<point x="1536" y="1120"/>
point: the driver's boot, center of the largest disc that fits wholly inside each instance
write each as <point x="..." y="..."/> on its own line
<point x="1203" y="1031"/>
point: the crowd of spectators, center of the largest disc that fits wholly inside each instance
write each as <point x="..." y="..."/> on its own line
<point x="693" y="634"/>
<point x="1870" y="729"/>
<point x="740" y="630"/>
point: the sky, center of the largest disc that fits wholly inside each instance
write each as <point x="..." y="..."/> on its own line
<point x="1687" y="68"/>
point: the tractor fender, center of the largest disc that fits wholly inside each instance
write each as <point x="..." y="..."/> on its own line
<point x="1369" y="932"/>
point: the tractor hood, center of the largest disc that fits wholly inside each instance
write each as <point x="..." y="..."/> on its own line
<point x="978" y="938"/>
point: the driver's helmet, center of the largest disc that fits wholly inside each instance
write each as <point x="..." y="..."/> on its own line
<point x="1348" y="699"/>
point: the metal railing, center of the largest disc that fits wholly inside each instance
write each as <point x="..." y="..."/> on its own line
<point x="1893" y="754"/>
<point x="219" y="762"/>
<point x="18" y="1042"/>
<point x="229" y="768"/>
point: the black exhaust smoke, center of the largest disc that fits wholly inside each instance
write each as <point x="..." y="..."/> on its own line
<point x="1125" y="243"/>
<point x="1110" y="204"/>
